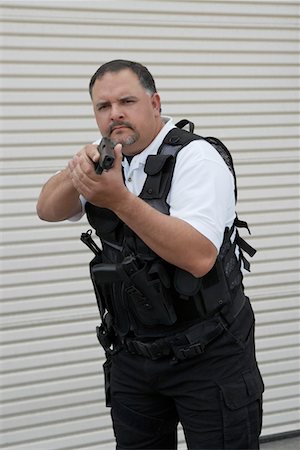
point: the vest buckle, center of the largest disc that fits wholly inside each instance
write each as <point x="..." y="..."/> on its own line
<point x="189" y="352"/>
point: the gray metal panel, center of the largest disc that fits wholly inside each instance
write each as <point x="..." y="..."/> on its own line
<point x="232" y="68"/>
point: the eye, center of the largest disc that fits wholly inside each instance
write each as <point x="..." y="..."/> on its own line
<point x="127" y="101"/>
<point x="102" y="107"/>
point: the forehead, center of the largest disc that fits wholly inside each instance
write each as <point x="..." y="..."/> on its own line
<point x="120" y="83"/>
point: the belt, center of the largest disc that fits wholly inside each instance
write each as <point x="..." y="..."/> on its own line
<point x="188" y="343"/>
<point x="184" y="345"/>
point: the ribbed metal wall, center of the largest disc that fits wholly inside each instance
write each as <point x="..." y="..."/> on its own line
<point x="232" y="68"/>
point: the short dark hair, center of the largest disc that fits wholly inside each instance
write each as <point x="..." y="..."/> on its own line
<point x="143" y="74"/>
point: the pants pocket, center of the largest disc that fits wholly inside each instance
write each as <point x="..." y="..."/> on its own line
<point x="242" y="410"/>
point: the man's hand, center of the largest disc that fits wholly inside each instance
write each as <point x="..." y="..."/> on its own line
<point x="88" y="153"/>
<point x="106" y="190"/>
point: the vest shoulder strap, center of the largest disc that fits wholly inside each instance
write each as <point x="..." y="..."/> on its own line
<point x="214" y="142"/>
<point x="164" y="161"/>
<point x="160" y="167"/>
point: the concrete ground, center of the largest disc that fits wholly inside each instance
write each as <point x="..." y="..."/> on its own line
<point x="292" y="443"/>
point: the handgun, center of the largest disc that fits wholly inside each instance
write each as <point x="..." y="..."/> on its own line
<point x="106" y="151"/>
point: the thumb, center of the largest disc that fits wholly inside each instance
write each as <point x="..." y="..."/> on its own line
<point x="118" y="154"/>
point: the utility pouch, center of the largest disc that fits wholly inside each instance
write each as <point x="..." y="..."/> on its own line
<point x="214" y="289"/>
<point x="209" y="293"/>
<point x="106" y="371"/>
<point x="98" y="289"/>
<point x="185" y="283"/>
<point x="101" y="275"/>
<point x="149" y="295"/>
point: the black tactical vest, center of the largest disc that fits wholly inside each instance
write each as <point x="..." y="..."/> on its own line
<point x="143" y="295"/>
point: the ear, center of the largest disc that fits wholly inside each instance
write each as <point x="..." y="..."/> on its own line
<point x="156" y="102"/>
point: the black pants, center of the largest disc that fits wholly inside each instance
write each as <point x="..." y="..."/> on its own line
<point x="216" y="396"/>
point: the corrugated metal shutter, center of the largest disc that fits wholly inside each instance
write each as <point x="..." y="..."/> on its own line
<point x="231" y="67"/>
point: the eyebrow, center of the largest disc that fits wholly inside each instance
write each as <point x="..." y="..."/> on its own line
<point x="121" y="99"/>
<point x="128" y="97"/>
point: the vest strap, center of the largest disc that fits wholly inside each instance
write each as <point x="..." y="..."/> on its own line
<point x="245" y="246"/>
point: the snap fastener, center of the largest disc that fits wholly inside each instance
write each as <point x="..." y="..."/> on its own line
<point x="174" y="139"/>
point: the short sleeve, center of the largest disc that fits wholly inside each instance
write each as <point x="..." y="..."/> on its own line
<point x="78" y="216"/>
<point x="202" y="191"/>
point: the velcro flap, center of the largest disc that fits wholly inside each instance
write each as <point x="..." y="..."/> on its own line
<point x="243" y="390"/>
<point x="155" y="163"/>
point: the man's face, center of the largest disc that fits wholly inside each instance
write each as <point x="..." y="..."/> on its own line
<point x="125" y="112"/>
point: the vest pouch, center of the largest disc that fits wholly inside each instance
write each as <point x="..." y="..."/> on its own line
<point x="185" y="283"/>
<point x="149" y="296"/>
<point x="101" y="285"/>
<point x="214" y="289"/>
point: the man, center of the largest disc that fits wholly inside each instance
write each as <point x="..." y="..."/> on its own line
<point x="177" y="328"/>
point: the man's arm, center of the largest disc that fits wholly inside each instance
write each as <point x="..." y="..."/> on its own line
<point x="173" y="239"/>
<point x="59" y="198"/>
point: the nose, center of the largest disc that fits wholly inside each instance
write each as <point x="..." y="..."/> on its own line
<point x="116" y="112"/>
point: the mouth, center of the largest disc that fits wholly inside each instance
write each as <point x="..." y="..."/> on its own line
<point x="119" y="127"/>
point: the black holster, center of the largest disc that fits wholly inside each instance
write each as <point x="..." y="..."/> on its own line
<point x="148" y="293"/>
<point x="146" y="287"/>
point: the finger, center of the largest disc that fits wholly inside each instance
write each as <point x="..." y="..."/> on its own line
<point x="73" y="163"/>
<point x="85" y="170"/>
<point x="84" y="164"/>
<point x="118" y="154"/>
<point x="80" y="180"/>
<point x="92" y="152"/>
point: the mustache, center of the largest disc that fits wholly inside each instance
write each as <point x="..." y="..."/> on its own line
<point x="118" y="124"/>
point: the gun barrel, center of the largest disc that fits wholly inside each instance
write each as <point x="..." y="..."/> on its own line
<point x="107" y="158"/>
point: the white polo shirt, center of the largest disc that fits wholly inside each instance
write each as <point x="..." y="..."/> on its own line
<point x="202" y="189"/>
